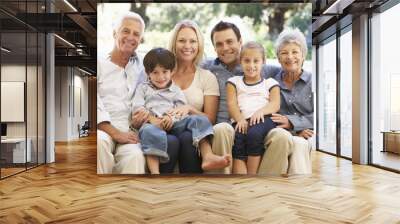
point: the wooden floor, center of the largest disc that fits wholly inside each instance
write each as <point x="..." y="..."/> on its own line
<point x="387" y="159"/>
<point x="69" y="191"/>
<point x="5" y="172"/>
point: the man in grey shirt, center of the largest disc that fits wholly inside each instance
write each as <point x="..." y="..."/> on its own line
<point x="282" y="155"/>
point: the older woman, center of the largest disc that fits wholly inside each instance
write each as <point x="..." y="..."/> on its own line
<point x="199" y="86"/>
<point x="297" y="110"/>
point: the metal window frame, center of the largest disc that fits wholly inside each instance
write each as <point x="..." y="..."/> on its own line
<point x="379" y="10"/>
<point x="44" y="73"/>
<point x="334" y="37"/>
<point x="339" y="32"/>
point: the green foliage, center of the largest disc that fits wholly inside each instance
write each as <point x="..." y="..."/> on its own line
<point x="266" y="19"/>
<point x="164" y="17"/>
<point x="269" y="47"/>
<point x="300" y="18"/>
<point x="253" y="10"/>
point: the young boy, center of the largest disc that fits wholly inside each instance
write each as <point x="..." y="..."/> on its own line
<point x="159" y="95"/>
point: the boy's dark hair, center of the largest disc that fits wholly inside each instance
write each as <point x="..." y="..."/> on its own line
<point x="159" y="56"/>
<point x="224" y="26"/>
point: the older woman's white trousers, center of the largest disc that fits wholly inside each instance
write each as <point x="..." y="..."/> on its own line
<point x="286" y="154"/>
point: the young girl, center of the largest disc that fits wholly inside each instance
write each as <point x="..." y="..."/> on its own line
<point x="251" y="100"/>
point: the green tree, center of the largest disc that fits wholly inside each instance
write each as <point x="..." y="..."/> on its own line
<point x="168" y="15"/>
<point x="274" y="15"/>
<point x="266" y="19"/>
<point x="254" y="11"/>
<point x="140" y="8"/>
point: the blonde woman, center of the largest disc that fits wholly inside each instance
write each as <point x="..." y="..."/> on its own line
<point x="202" y="94"/>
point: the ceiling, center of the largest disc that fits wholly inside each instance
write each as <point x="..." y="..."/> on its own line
<point x="330" y="15"/>
<point x="74" y="22"/>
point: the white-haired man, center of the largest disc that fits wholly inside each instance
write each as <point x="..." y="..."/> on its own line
<point x="118" y="149"/>
<point x="118" y="75"/>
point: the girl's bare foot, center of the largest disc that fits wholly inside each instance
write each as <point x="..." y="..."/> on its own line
<point x="213" y="162"/>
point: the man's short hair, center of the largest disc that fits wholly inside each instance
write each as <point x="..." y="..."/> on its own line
<point x="224" y="26"/>
<point x="158" y="56"/>
<point x="128" y="15"/>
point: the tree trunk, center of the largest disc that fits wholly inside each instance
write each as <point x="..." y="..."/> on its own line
<point x="276" y="22"/>
<point x="140" y="8"/>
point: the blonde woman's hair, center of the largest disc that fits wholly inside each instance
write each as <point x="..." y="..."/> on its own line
<point x="187" y="24"/>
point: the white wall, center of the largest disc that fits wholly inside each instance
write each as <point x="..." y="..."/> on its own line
<point x="61" y="103"/>
<point x="33" y="127"/>
<point x="12" y="73"/>
<point x="71" y="93"/>
<point x="80" y="110"/>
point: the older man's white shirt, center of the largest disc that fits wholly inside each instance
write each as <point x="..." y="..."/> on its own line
<point x="115" y="89"/>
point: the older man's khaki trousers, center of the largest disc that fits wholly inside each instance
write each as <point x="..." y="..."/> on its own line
<point x="222" y="144"/>
<point x="115" y="158"/>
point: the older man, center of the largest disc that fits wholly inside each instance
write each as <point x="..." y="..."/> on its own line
<point x="282" y="156"/>
<point x="118" y="150"/>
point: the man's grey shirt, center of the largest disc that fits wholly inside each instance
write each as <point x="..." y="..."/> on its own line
<point x="297" y="104"/>
<point x="158" y="101"/>
<point x="220" y="70"/>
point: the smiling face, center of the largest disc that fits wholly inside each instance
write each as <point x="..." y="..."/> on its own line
<point x="160" y="77"/>
<point x="187" y="45"/>
<point x="251" y="62"/>
<point x="227" y="46"/>
<point x="128" y="36"/>
<point x="291" y="57"/>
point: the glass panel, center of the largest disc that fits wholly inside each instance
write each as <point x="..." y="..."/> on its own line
<point x="385" y="89"/>
<point x="41" y="99"/>
<point x="327" y="97"/>
<point x="13" y="93"/>
<point x="346" y="94"/>
<point x="13" y="86"/>
<point x="22" y="63"/>
<point x="32" y="86"/>
<point x="31" y="97"/>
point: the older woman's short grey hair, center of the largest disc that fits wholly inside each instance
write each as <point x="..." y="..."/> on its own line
<point x="127" y="15"/>
<point x="291" y="36"/>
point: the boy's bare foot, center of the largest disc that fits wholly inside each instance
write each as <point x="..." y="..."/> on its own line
<point x="213" y="162"/>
